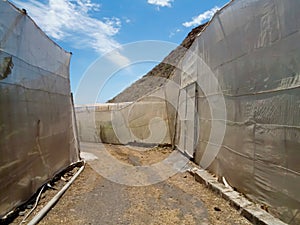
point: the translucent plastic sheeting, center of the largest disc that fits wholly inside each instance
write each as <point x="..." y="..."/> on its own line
<point x="36" y="115"/>
<point x="91" y="120"/>
<point x="187" y="120"/>
<point x="253" y="50"/>
<point x="144" y="122"/>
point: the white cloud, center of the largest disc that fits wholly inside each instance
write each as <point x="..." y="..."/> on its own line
<point x="161" y="3"/>
<point x="118" y="58"/>
<point x="200" y="19"/>
<point x="70" y="21"/>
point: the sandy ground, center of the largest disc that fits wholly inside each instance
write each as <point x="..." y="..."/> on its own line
<point x="93" y="199"/>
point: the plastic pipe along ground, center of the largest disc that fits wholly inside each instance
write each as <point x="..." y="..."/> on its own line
<point x="52" y="202"/>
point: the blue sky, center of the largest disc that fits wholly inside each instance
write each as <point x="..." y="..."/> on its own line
<point x="91" y="28"/>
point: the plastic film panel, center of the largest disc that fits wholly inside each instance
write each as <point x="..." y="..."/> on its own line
<point x="36" y="124"/>
<point x="145" y="121"/>
<point x="252" y="48"/>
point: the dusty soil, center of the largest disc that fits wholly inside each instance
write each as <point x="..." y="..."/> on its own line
<point x="93" y="199"/>
<point x="47" y="193"/>
<point x="139" y="156"/>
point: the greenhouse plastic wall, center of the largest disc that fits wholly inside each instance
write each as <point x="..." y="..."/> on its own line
<point x="144" y="122"/>
<point x="253" y="50"/>
<point x="91" y="121"/>
<point x="36" y="121"/>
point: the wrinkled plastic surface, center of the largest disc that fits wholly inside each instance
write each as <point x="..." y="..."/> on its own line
<point x="36" y="121"/>
<point x="253" y="49"/>
<point x="143" y="122"/>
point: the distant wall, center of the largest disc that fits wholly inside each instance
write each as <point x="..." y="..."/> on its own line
<point x="143" y="122"/>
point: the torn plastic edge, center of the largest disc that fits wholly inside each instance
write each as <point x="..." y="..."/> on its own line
<point x="6" y="67"/>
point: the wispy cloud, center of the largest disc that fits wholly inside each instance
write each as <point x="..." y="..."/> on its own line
<point x="161" y="3"/>
<point x="200" y="19"/>
<point x="71" y="21"/>
<point x="174" y="32"/>
<point x="127" y="20"/>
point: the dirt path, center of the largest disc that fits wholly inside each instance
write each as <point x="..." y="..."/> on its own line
<point x="93" y="199"/>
